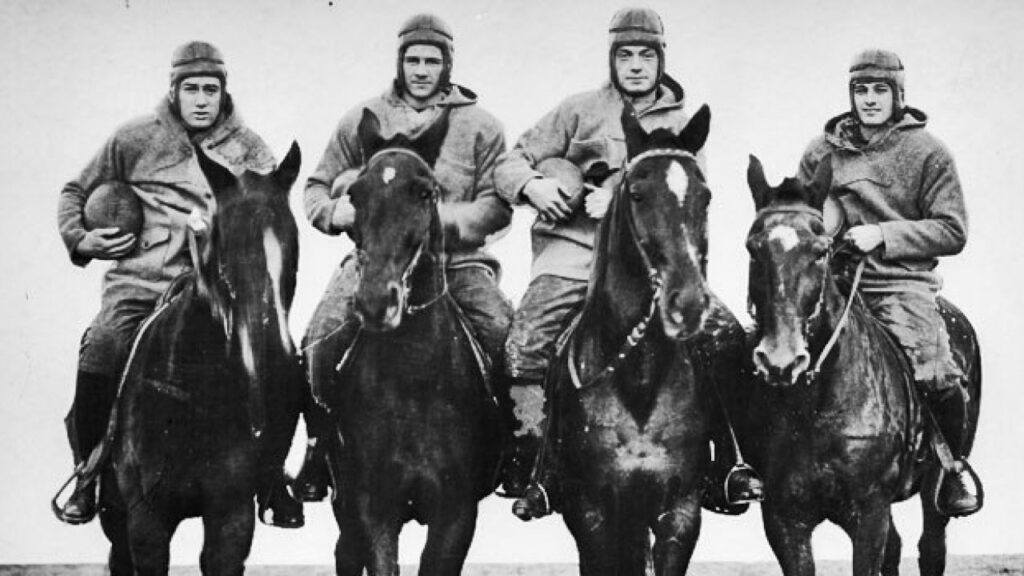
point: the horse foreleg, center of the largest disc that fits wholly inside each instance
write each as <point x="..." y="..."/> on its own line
<point x="227" y="539"/>
<point x="675" y="533"/>
<point x="115" y="527"/>
<point x="382" y="544"/>
<point x="149" y="536"/>
<point x="931" y="548"/>
<point x="350" y="552"/>
<point x="868" y="528"/>
<point x="593" y="528"/>
<point x="790" y="540"/>
<point x="893" y="551"/>
<point x="448" y="540"/>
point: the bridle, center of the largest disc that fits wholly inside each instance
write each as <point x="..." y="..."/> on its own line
<point x="421" y="249"/>
<point x="639" y="331"/>
<point x="812" y="375"/>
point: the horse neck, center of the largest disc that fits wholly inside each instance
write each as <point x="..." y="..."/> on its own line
<point x="428" y="278"/>
<point x="836" y="386"/>
<point x="620" y="293"/>
<point x="619" y="289"/>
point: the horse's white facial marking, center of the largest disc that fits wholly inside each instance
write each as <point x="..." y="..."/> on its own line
<point x="275" y="264"/>
<point x="388" y="175"/>
<point x="245" y="343"/>
<point x="785" y="236"/>
<point x="677" y="180"/>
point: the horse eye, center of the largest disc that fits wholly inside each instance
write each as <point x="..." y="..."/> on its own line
<point x="426" y="193"/>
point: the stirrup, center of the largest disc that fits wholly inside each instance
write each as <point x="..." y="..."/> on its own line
<point x="979" y="491"/>
<point x="266" y="504"/>
<point x="59" y="510"/>
<point x="738" y="468"/>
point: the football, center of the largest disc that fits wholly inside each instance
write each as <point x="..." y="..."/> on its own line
<point x="114" y="205"/>
<point x="568" y="175"/>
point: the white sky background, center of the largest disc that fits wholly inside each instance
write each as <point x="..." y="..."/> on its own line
<point x="773" y="72"/>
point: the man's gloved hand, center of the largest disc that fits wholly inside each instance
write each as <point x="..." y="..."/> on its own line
<point x="596" y="201"/>
<point x="865" y="237"/>
<point x="341" y="183"/>
<point x="548" y="197"/>
<point x="344" y="215"/>
<point x="105" y="244"/>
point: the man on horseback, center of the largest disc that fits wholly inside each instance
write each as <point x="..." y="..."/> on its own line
<point x="897" y="188"/>
<point x="586" y="130"/>
<point x="470" y="209"/>
<point x="157" y="156"/>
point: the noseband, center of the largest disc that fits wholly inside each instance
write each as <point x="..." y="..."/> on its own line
<point x="411" y="309"/>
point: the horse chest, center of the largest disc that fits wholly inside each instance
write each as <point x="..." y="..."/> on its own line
<point x="614" y="439"/>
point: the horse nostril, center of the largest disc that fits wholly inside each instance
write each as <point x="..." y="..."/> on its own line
<point x="394" y="294"/>
<point x="761" y="360"/>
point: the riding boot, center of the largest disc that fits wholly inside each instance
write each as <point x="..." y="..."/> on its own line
<point x="283" y="406"/>
<point x="960" y="493"/>
<point x="527" y="396"/>
<point x="313" y="478"/>
<point x="87" y="424"/>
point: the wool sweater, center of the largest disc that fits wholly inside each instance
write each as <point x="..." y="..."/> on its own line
<point x="469" y="205"/>
<point x="905" y="181"/>
<point x="154" y="155"/>
<point x="585" y="129"/>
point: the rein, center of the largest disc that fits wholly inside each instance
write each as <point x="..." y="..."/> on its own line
<point x="639" y="331"/>
<point x="813" y="373"/>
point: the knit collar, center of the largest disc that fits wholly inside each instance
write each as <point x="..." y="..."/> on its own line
<point x="671" y="95"/>
<point x="843" y="131"/>
<point x="226" y="125"/>
<point x="456" y="96"/>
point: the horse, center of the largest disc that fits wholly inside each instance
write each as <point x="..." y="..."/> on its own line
<point x="628" y="419"/>
<point x="419" y="432"/>
<point x="202" y="389"/>
<point x="841" y="427"/>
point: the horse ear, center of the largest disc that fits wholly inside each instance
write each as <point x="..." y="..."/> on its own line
<point x="220" y="178"/>
<point x="288" y="170"/>
<point x="759" y="187"/>
<point x="369" y="134"/>
<point x="822" y="183"/>
<point x="635" y="135"/>
<point x="428" y="143"/>
<point x="695" y="134"/>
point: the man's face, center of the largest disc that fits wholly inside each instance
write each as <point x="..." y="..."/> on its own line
<point x="422" y="66"/>
<point x="199" y="99"/>
<point x="873" y="102"/>
<point x="636" y="68"/>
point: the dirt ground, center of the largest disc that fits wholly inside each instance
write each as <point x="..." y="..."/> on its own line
<point x="1012" y="565"/>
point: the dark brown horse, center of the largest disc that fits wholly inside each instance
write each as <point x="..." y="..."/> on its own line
<point x="629" y="420"/>
<point x="205" y="382"/>
<point x="840" y="428"/>
<point x="420" y="431"/>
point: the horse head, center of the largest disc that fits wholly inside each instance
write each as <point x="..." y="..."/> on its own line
<point x="664" y="198"/>
<point x="246" y="262"/>
<point x="789" y="247"/>
<point x="396" y="224"/>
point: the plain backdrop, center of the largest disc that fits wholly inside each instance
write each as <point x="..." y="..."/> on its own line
<point x="772" y="72"/>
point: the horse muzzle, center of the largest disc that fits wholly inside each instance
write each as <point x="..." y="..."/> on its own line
<point x="382" y="312"/>
<point x="684" y="313"/>
<point x="781" y="366"/>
